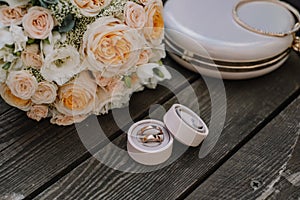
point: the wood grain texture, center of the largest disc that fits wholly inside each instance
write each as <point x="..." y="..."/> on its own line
<point x="251" y="104"/>
<point x="255" y="171"/>
<point x="34" y="153"/>
<point x="3" y="106"/>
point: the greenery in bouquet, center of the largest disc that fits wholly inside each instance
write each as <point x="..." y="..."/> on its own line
<point x="68" y="59"/>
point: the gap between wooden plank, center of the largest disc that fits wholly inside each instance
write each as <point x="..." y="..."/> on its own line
<point x="259" y="168"/>
<point x="261" y="126"/>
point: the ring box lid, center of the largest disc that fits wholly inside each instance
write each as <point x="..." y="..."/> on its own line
<point x="210" y="23"/>
<point x="185" y="125"/>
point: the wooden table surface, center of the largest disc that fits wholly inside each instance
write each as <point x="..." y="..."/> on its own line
<point x="256" y="157"/>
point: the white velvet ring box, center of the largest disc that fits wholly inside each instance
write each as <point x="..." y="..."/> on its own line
<point x="150" y="142"/>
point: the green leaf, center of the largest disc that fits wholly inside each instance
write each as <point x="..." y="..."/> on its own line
<point x="127" y="81"/>
<point x="35" y="2"/>
<point x="158" y="72"/>
<point x="10" y="46"/>
<point x="160" y="63"/>
<point x="18" y="53"/>
<point x="6" y="66"/>
<point x="30" y="41"/>
<point x="67" y="25"/>
<point x="47" y="40"/>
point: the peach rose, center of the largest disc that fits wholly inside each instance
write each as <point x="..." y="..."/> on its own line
<point x="108" y="84"/>
<point x="9" y="15"/>
<point x="91" y="8"/>
<point x="12" y="100"/>
<point x="22" y="84"/>
<point x="32" y="57"/>
<point x="37" y="112"/>
<point x="144" y="2"/>
<point x="38" y="23"/>
<point x="135" y="16"/>
<point x="144" y="57"/>
<point x="117" y="96"/>
<point x="64" y="120"/>
<point x="78" y="96"/>
<point x="106" y="101"/>
<point x="154" y="27"/>
<point x="45" y="94"/>
<point x="110" y="47"/>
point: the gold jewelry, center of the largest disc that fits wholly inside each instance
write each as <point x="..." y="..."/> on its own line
<point x="262" y="32"/>
<point x="146" y="128"/>
<point x="151" y="138"/>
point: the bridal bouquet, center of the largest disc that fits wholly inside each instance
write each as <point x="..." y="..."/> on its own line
<point x="68" y="59"/>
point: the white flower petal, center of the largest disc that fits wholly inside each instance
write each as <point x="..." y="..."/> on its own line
<point x="19" y="37"/>
<point x="6" y="37"/>
<point x="147" y="76"/>
<point x="14" y="3"/>
<point x="61" y="64"/>
<point x="3" y="75"/>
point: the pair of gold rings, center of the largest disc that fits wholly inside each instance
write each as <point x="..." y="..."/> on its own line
<point x="156" y="137"/>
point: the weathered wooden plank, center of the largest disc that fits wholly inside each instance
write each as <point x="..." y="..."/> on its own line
<point x="256" y="169"/>
<point x="3" y="106"/>
<point x="36" y="153"/>
<point x="251" y="104"/>
<point x="8" y="129"/>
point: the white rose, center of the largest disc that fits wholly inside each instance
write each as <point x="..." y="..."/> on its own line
<point x="32" y="57"/>
<point x="91" y="8"/>
<point x="22" y="84"/>
<point x="110" y="47"/>
<point x="150" y="74"/>
<point x="135" y="16"/>
<point x="38" y="23"/>
<point x="60" y="65"/>
<point x="11" y="15"/>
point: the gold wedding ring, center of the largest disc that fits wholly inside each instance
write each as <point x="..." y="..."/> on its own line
<point x="151" y="138"/>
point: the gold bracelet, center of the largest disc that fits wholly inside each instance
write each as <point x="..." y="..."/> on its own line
<point x="262" y="32"/>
